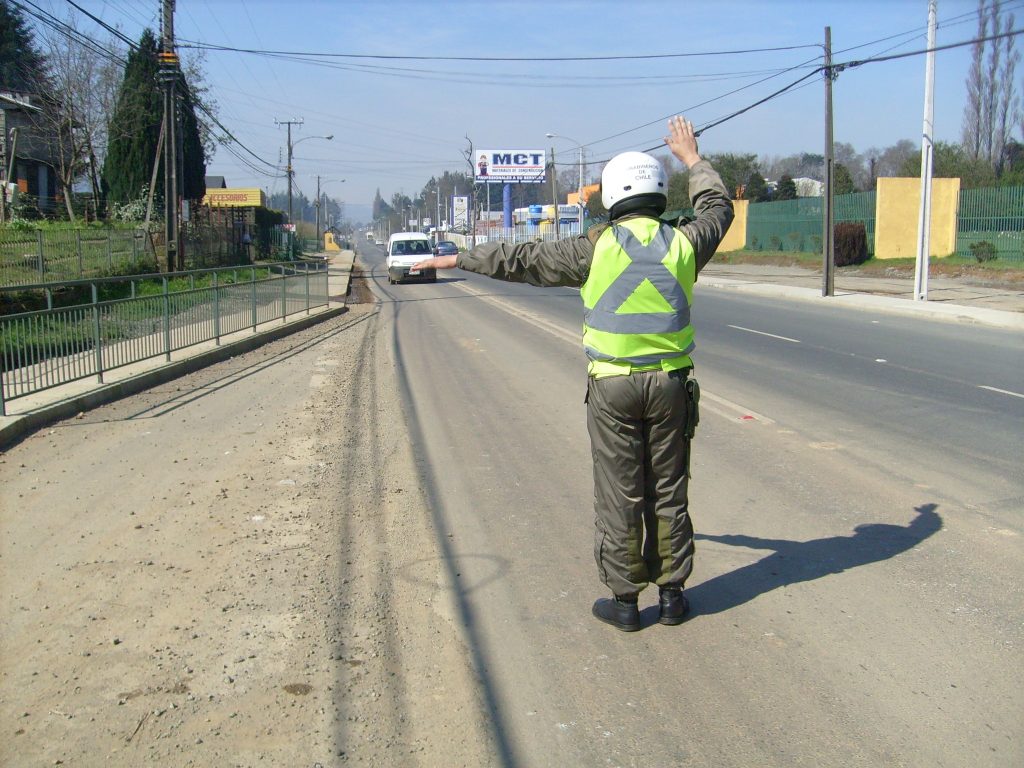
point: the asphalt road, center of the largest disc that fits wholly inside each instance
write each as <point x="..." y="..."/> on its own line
<point x="857" y="497"/>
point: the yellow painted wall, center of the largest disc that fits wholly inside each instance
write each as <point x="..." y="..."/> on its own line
<point x="736" y="238"/>
<point x="897" y="208"/>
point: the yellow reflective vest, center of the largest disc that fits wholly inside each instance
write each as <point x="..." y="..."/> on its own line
<point x="637" y="299"/>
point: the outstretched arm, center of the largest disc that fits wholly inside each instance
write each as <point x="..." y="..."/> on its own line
<point x="437" y="262"/>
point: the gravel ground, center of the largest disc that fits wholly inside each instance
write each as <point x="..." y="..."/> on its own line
<point x="237" y="568"/>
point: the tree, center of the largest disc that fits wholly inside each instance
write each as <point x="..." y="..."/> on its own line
<point x="134" y="128"/>
<point x="954" y="161"/>
<point x="992" y="100"/>
<point x="755" y="189"/>
<point x="193" y="159"/>
<point x="76" y="116"/>
<point x="22" y="65"/>
<point x="890" y="161"/>
<point x="842" y="180"/>
<point x="734" y="169"/>
<point x="678" y="193"/>
<point x="786" y="189"/>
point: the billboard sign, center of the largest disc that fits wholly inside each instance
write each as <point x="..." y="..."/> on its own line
<point x="460" y="217"/>
<point x="238" y="197"/>
<point x="520" y="166"/>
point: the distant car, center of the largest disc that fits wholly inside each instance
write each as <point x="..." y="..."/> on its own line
<point x="378" y="241"/>
<point x="446" y="248"/>
<point x="404" y="250"/>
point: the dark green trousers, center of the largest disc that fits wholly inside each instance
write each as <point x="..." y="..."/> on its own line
<point x="637" y="426"/>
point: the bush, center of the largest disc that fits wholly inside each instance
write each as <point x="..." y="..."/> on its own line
<point x="983" y="251"/>
<point x="776" y="242"/>
<point x="851" y="244"/>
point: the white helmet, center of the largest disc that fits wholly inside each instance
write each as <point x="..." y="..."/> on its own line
<point x="629" y="174"/>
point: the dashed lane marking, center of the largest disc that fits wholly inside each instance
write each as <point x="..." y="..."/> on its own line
<point x="762" y="333"/>
<point x="1001" y="391"/>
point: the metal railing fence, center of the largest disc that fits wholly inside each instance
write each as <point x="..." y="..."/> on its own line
<point x="47" y="348"/>
<point x="994" y="215"/>
<point x="29" y="256"/>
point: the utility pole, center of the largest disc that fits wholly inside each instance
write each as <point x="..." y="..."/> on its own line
<point x="291" y="218"/>
<point x="925" y="216"/>
<point x="472" y="198"/>
<point x="828" y="253"/>
<point x="169" y="76"/>
<point x="318" y="212"/>
<point x="554" y="190"/>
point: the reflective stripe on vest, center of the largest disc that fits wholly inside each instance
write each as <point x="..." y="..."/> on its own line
<point x="614" y="329"/>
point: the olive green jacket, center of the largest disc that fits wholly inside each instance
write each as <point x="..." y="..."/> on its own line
<point x="567" y="262"/>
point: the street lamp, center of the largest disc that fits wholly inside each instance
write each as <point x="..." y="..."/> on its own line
<point x="326" y="181"/>
<point x="579" y="192"/>
<point x="291" y="175"/>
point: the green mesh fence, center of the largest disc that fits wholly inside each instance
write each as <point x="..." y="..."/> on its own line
<point x="990" y="223"/>
<point x="795" y="225"/>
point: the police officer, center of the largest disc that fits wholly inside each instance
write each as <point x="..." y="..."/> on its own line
<point x="636" y="277"/>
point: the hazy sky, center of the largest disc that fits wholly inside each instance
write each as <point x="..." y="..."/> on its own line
<point x="396" y="122"/>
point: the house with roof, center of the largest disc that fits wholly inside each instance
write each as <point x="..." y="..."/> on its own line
<point x="26" y="152"/>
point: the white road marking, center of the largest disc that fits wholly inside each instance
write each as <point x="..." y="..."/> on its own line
<point x="1001" y="391"/>
<point x="762" y="333"/>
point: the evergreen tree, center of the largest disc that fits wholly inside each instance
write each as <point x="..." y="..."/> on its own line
<point x="756" y="190"/>
<point x="786" y="189"/>
<point x="134" y="131"/>
<point x="22" y="66"/>
<point x="678" y="192"/>
<point x="193" y="182"/>
<point x="843" y="181"/>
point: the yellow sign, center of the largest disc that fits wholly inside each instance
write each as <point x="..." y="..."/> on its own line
<point x="240" y="197"/>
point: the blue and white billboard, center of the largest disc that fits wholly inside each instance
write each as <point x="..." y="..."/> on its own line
<point x="520" y="166"/>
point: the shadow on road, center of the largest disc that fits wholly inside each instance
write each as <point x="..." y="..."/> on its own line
<point x="795" y="561"/>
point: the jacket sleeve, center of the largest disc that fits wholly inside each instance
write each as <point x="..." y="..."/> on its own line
<point x="549" y="264"/>
<point x="713" y="210"/>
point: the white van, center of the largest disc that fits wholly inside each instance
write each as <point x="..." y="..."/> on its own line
<point x="404" y="250"/>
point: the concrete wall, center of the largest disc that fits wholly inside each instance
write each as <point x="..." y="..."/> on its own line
<point x="897" y="208"/>
<point x="736" y="237"/>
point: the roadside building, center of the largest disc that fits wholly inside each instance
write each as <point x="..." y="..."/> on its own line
<point x="22" y="140"/>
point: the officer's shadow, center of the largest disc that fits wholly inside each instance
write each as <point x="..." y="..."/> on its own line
<point x="795" y="561"/>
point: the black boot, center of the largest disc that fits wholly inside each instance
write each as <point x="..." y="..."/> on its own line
<point x="621" y="612"/>
<point x="674" y="605"/>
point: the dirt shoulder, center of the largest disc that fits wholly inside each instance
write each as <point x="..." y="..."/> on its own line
<point x="236" y="568"/>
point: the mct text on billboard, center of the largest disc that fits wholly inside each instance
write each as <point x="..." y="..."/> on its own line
<point x="522" y="166"/>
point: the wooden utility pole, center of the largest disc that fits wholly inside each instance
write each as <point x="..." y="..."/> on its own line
<point x="169" y="76"/>
<point x="828" y="252"/>
<point x="291" y="218"/>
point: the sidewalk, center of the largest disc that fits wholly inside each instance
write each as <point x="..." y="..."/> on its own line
<point x="26" y="414"/>
<point x="949" y="299"/>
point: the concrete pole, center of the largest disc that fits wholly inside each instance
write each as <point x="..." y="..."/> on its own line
<point x="828" y="253"/>
<point x="925" y="214"/>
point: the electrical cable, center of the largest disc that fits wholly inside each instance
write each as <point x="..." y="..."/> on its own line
<point x="393" y="57"/>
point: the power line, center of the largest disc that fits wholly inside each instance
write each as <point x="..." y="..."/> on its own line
<point x="394" y="57"/>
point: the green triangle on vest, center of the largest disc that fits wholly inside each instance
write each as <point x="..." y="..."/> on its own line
<point x="643" y="300"/>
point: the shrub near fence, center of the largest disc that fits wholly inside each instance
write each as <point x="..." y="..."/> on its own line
<point x="994" y="215"/>
<point x="48" y="255"/>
